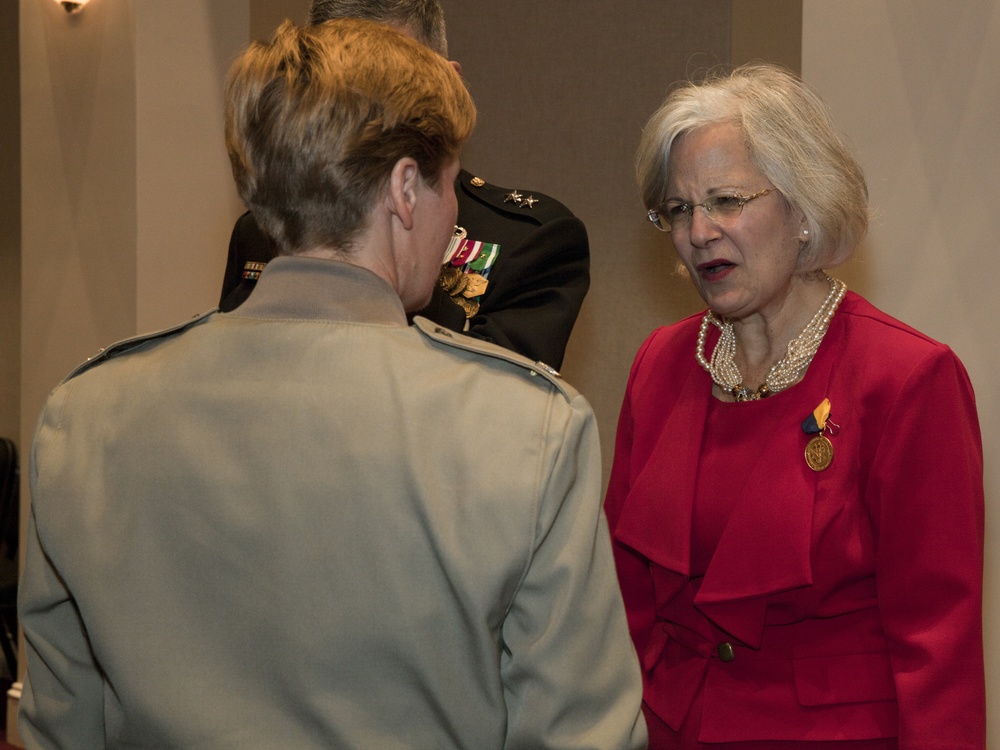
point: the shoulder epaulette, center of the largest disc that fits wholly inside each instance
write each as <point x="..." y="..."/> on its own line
<point x="126" y="345"/>
<point x="515" y="201"/>
<point x="450" y="338"/>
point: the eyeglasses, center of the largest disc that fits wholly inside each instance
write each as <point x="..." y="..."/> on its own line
<point x="717" y="208"/>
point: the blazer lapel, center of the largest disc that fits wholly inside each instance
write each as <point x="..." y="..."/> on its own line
<point x="656" y="520"/>
<point x="767" y="543"/>
<point x="766" y="546"/>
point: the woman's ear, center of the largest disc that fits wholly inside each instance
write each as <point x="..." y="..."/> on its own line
<point x="402" y="194"/>
<point x="805" y="233"/>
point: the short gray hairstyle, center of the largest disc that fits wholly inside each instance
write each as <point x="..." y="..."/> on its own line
<point x="791" y="139"/>
<point x="423" y="18"/>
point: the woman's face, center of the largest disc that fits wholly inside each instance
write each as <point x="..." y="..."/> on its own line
<point x="741" y="265"/>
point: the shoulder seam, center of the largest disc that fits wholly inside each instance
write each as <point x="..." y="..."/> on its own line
<point x="126" y="345"/>
<point x="447" y="337"/>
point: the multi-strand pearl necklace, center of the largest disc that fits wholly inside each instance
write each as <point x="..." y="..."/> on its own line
<point x="786" y="371"/>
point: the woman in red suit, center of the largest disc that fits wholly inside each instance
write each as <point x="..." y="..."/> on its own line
<point x="796" y="499"/>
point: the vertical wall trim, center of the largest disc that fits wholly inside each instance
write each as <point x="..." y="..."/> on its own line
<point x="10" y="223"/>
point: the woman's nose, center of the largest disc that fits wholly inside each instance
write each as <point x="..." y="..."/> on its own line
<point x="703" y="227"/>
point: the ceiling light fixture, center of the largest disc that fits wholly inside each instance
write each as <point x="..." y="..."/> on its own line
<point x="72" y="6"/>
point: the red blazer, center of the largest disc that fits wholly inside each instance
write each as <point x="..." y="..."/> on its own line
<point x="852" y="597"/>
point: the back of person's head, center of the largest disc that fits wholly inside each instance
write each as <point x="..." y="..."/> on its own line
<point x="423" y="19"/>
<point x="790" y="138"/>
<point x="317" y="118"/>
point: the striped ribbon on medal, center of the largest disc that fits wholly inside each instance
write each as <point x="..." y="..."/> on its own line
<point x="484" y="261"/>
<point x="473" y="256"/>
<point x="816" y="422"/>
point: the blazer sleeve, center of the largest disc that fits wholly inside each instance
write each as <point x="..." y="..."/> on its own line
<point x="570" y="674"/>
<point x="925" y="492"/>
<point x="538" y="291"/>
<point x="62" y="700"/>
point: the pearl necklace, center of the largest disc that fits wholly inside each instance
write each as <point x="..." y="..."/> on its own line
<point x="786" y="371"/>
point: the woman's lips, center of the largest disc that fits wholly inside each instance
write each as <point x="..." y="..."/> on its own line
<point x="714" y="270"/>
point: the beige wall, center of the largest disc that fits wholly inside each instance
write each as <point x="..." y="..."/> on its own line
<point x="186" y="200"/>
<point x="916" y="90"/>
<point x="78" y="189"/>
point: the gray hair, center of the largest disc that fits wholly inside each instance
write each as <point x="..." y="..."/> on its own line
<point x="791" y="139"/>
<point x="423" y="18"/>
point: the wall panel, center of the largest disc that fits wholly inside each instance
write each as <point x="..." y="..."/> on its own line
<point x="915" y="90"/>
<point x="563" y="90"/>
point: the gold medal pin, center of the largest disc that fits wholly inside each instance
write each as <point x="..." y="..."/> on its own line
<point x="819" y="449"/>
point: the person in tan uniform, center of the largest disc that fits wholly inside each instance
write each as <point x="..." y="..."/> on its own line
<point x="294" y="524"/>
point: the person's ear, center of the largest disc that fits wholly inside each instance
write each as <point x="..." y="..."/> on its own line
<point x="402" y="193"/>
<point x="457" y="66"/>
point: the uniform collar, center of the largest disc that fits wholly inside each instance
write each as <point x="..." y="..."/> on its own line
<point x="294" y="287"/>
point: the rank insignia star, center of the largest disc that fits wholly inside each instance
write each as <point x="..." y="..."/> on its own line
<point x="519" y="200"/>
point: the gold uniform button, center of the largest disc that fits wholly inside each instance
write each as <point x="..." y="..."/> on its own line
<point x="726" y="653"/>
<point x="477" y="181"/>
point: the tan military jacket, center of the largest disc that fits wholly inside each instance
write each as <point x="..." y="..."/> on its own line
<point x="305" y="524"/>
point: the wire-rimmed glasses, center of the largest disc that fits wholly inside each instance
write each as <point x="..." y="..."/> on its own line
<point x="675" y="215"/>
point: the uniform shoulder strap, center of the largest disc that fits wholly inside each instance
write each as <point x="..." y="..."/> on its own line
<point x="449" y="338"/>
<point x="127" y="345"/>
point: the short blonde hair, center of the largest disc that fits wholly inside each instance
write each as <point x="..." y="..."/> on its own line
<point x="317" y="118"/>
<point x="791" y="139"/>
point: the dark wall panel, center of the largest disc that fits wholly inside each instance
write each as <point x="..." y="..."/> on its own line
<point x="10" y="222"/>
<point x="563" y="89"/>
